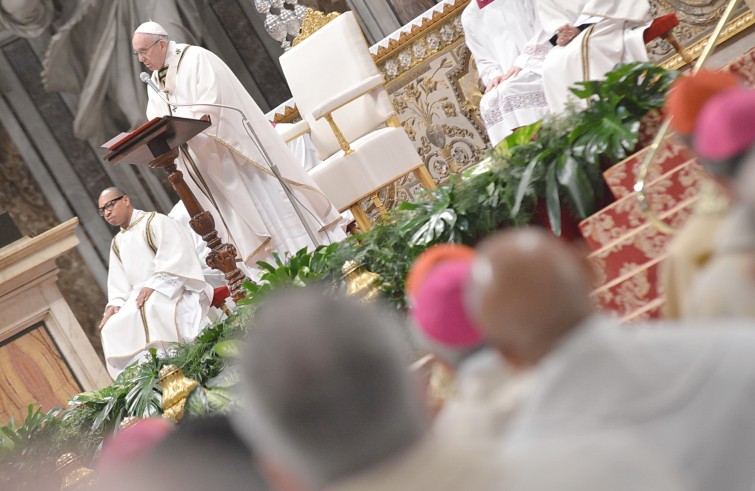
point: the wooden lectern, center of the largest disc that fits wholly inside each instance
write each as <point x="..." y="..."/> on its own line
<point x="157" y="144"/>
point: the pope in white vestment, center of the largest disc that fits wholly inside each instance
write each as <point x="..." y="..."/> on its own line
<point x="151" y="252"/>
<point x="225" y="166"/>
<point x="590" y="37"/>
<point x="509" y="47"/>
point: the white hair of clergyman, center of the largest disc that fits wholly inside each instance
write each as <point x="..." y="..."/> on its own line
<point x="325" y="388"/>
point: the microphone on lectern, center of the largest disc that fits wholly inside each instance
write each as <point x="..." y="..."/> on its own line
<point x="144" y="76"/>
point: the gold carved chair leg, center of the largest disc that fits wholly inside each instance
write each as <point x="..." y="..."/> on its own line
<point x="363" y="221"/>
<point x="677" y="46"/>
<point x="424" y="178"/>
<point x="378" y="204"/>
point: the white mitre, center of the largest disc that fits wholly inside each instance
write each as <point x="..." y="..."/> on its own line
<point x="151" y="27"/>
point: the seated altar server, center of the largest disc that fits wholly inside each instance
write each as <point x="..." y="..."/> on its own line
<point x="589" y="37"/>
<point x="680" y="391"/>
<point x="157" y="294"/>
<point x="509" y="47"/>
<point x="227" y="165"/>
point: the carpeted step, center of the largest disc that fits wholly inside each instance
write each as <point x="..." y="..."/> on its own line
<point x="623" y="216"/>
<point x="642" y="245"/>
<point x="631" y="292"/>
<point x="653" y="310"/>
<point x="622" y="177"/>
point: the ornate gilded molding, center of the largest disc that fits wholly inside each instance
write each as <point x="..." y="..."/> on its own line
<point x="418" y="28"/>
<point x="732" y="28"/>
<point x="313" y="20"/>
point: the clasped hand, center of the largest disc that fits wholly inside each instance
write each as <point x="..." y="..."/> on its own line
<point x="565" y="34"/>
<point x="511" y="72"/>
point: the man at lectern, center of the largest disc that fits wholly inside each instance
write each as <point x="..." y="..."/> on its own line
<point x="228" y="165"/>
<point x="157" y="293"/>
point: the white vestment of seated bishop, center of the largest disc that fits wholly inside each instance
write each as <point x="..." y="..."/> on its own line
<point x="684" y="391"/>
<point x="154" y="251"/>
<point x="612" y="33"/>
<point x="226" y="165"/>
<point x="503" y="34"/>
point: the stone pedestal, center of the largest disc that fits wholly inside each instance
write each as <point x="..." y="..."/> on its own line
<point x="45" y="357"/>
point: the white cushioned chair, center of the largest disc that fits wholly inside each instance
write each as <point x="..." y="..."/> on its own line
<point x="342" y="100"/>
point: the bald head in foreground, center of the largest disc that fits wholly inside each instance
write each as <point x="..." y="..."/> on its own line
<point x="527" y="290"/>
<point x="676" y="391"/>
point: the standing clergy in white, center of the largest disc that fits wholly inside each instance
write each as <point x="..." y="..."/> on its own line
<point x="225" y="166"/>
<point x="157" y="294"/>
<point x="685" y="392"/>
<point x="509" y="47"/>
<point x="590" y="37"/>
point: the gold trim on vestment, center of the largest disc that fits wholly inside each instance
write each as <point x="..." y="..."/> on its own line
<point x="148" y="233"/>
<point x="639" y="22"/>
<point x="145" y="325"/>
<point x="115" y="248"/>
<point x="265" y="169"/>
<point x="586" y="53"/>
<point x="147" y="345"/>
<point x="258" y="249"/>
<point x="175" y="314"/>
<point x="131" y="225"/>
<point x="285" y="179"/>
<point x="204" y="188"/>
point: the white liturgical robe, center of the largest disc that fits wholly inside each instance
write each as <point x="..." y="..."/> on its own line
<point x="612" y="33"/>
<point x="503" y="34"/>
<point x="488" y="394"/>
<point x="225" y="165"/>
<point x="153" y="252"/>
<point x="685" y="391"/>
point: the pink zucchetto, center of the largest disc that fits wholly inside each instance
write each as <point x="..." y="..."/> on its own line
<point x="151" y="27"/>
<point x="726" y="126"/>
<point x="438" y="306"/>
<point x="131" y="444"/>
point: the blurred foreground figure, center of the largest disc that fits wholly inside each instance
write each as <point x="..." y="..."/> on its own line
<point x="331" y="405"/>
<point x="198" y="455"/>
<point x="679" y="392"/>
<point x="725" y="142"/>
<point x="692" y="246"/>
<point x="487" y="391"/>
<point x="329" y="398"/>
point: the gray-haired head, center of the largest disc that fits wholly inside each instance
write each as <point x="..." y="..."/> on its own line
<point x="326" y="386"/>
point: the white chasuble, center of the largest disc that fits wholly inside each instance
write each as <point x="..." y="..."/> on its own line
<point x="154" y="252"/>
<point x="226" y="168"/>
<point x="612" y="33"/>
<point x="503" y="34"/>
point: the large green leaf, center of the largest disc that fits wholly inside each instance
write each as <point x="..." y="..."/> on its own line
<point x="573" y="178"/>
<point x="522" y="135"/>
<point x="552" y="200"/>
<point x="525" y="182"/>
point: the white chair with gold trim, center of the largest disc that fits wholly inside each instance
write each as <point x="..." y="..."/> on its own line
<point x="342" y="100"/>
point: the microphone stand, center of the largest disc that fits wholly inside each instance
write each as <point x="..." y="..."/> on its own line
<point x="144" y="77"/>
